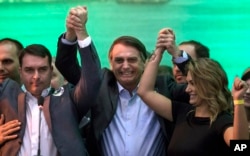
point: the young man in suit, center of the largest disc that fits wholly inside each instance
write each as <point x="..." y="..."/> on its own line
<point x="49" y="122"/>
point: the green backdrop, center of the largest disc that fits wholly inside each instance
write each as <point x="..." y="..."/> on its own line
<point x="221" y="25"/>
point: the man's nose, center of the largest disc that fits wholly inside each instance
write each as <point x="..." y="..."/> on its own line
<point x="36" y="74"/>
<point x="125" y="64"/>
<point x="176" y="68"/>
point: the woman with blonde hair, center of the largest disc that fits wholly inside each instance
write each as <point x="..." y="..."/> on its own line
<point x="204" y="126"/>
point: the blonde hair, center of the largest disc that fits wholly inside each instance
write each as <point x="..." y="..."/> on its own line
<point x="211" y="83"/>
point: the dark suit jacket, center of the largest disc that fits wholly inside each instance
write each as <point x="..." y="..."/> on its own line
<point x="104" y="108"/>
<point x="62" y="113"/>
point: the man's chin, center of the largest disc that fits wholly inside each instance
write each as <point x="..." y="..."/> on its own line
<point x="128" y="82"/>
<point x="126" y="79"/>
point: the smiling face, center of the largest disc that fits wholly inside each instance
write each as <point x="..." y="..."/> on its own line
<point x="127" y="65"/>
<point x="191" y="90"/>
<point x="35" y="73"/>
<point x="247" y="94"/>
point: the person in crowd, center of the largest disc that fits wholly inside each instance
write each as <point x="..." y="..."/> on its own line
<point x="57" y="80"/>
<point x="121" y="123"/>
<point x="246" y="77"/>
<point x="9" y="51"/>
<point x="204" y="126"/>
<point x="195" y="50"/>
<point x="49" y="122"/>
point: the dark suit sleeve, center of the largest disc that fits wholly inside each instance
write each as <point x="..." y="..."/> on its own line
<point x="88" y="86"/>
<point x="86" y="78"/>
<point x="67" y="62"/>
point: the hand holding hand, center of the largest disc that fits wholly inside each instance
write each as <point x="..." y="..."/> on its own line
<point x="80" y="21"/>
<point x="70" y="22"/>
<point x="76" y="23"/>
<point x="166" y="41"/>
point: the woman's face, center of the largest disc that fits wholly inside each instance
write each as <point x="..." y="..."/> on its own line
<point x="247" y="94"/>
<point x="191" y="90"/>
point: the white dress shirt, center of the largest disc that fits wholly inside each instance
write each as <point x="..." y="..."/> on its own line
<point x="30" y="143"/>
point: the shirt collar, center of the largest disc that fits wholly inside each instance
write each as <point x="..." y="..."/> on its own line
<point x="45" y="92"/>
<point x="121" y="88"/>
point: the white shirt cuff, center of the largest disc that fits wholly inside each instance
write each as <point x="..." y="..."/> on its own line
<point x="84" y="43"/>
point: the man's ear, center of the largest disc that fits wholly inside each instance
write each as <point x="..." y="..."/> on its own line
<point x="110" y="67"/>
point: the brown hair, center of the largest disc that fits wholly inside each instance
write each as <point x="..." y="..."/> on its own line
<point x="211" y="83"/>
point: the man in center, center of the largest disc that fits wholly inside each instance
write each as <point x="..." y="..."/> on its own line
<point x="121" y="123"/>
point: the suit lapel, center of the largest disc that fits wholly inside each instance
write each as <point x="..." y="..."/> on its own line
<point x="22" y="112"/>
<point x="46" y="108"/>
<point x="113" y="94"/>
<point x="112" y="91"/>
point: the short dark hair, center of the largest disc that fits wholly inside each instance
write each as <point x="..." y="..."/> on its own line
<point x="17" y="43"/>
<point x="200" y="49"/>
<point x="130" y="41"/>
<point x="36" y="50"/>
